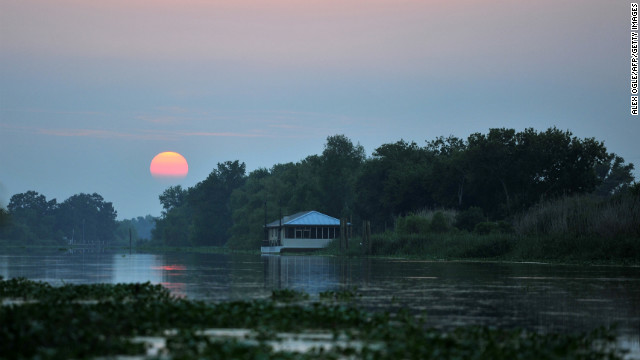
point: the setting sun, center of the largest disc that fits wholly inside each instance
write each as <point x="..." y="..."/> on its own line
<point x="169" y="164"/>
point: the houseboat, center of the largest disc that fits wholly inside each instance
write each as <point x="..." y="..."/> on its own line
<point x="304" y="231"/>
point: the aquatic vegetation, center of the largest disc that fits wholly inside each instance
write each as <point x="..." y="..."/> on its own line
<point x="340" y="295"/>
<point x="288" y="295"/>
<point x="84" y="321"/>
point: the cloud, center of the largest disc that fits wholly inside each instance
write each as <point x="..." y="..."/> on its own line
<point x="165" y="135"/>
<point x="96" y="133"/>
<point x="220" y="134"/>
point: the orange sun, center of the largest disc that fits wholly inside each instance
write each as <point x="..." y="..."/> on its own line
<point x="169" y="164"/>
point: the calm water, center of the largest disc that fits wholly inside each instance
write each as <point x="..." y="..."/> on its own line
<point x="534" y="296"/>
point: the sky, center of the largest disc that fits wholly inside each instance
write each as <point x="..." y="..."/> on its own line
<point x="91" y="91"/>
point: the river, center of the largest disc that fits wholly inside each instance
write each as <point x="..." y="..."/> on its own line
<point x="536" y="296"/>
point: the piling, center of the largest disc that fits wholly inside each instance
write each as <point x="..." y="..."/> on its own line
<point x="369" y="244"/>
<point x="341" y="234"/>
<point x="366" y="236"/>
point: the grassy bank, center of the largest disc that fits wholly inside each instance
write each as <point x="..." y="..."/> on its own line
<point x="508" y="247"/>
<point x="569" y="229"/>
<point x="86" y="321"/>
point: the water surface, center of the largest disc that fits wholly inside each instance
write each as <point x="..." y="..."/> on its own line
<point x="535" y="296"/>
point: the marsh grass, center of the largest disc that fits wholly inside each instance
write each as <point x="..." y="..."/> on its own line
<point x="443" y="246"/>
<point x="570" y="229"/>
<point x="582" y="215"/>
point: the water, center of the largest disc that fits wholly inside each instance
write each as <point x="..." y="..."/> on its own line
<point x="535" y="296"/>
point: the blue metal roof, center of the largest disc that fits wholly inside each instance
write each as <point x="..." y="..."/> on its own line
<point x="306" y="218"/>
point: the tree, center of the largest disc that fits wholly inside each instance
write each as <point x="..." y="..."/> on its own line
<point x="452" y="168"/>
<point x="339" y="166"/>
<point x="173" y="197"/>
<point x="396" y="180"/>
<point x="124" y="229"/>
<point x="33" y="218"/>
<point x="210" y="201"/>
<point x="88" y="218"/>
<point x="144" y="226"/>
<point x="614" y="175"/>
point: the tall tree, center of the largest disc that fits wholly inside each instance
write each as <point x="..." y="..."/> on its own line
<point x="88" y="218"/>
<point x="210" y="201"/>
<point x="452" y="168"/>
<point x="339" y="166"/>
<point x="614" y="175"/>
<point x="396" y="180"/>
<point x="33" y="217"/>
<point x="173" y="197"/>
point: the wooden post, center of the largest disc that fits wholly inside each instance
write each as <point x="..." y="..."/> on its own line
<point x="368" y="232"/>
<point x="266" y="231"/>
<point x="280" y="230"/>
<point x="346" y="232"/>
<point x="365" y="244"/>
<point x="343" y="235"/>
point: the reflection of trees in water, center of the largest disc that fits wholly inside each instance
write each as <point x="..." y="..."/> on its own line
<point x="311" y="274"/>
<point x="534" y="296"/>
<point x="76" y="266"/>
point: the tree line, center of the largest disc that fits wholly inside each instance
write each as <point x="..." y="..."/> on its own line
<point x="82" y="218"/>
<point x="500" y="174"/>
<point x="31" y="219"/>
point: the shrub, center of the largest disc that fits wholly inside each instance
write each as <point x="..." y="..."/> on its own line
<point x="467" y="220"/>
<point x="505" y="227"/>
<point x="485" y="228"/>
<point x="439" y="223"/>
<point x="412" y="224"/>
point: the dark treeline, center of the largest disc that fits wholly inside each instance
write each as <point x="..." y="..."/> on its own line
<point x="496" y="176"/>
<point x="82" y="218"/>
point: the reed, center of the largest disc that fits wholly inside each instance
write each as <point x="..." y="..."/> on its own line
<point x="582" y="215"/>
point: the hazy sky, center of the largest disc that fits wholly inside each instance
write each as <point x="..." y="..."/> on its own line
<point x="91" y="91"/>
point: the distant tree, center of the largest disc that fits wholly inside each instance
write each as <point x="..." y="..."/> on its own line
<point x="141" y="228"/>
<point x="396" y="180"/>
<point x="173" y="197"/>
<point x="36" y="220"/>
<point x="510" y="171"/>
<point x="494" y="168"/>
<point x="614" y="175"/>
<point x="339" y="167"/>
<point x="144" y="226"/>
<point x="88" y="218"/>
<point x="248" y="203"/>
<point x="451" y="169"/>
<point x="125" y="228"/>
<point x="33" y="218"/>
<point x="210" y="201"/>
<point x="173" y="228"/>
<point x="4" y="218"/>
